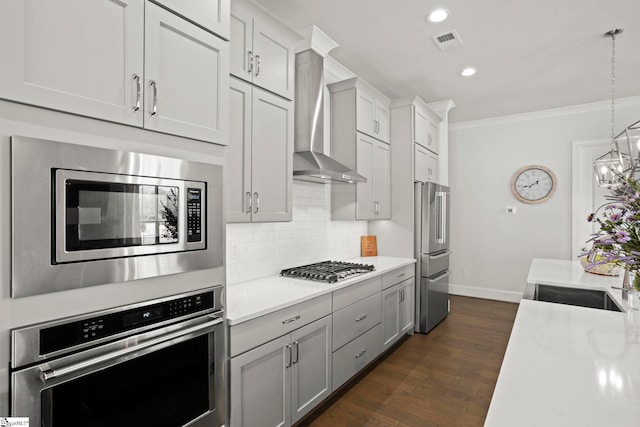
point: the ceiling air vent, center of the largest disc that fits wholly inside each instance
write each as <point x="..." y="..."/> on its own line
<point x="448" y="40"/>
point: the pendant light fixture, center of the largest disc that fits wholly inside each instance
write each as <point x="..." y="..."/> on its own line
<point x="612" y="167"/>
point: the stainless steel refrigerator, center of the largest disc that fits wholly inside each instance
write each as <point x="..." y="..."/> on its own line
<point x="432" y="252"/>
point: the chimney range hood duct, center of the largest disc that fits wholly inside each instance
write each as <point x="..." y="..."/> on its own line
<point x="309" y="161"/>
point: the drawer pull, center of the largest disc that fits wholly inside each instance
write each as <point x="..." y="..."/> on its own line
<point x="291" y="319"/>
<point x="402" y="275"/>
<point x="364" y="316"/>
<point x="362" y="352"/>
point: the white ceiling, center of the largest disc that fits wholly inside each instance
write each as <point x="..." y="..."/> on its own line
<point x="531" y="54"/>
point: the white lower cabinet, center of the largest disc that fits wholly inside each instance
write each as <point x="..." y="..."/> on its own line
<point x="397" y="311"/>
<point x="357" y="354"/>
<point x="283" y="364"/>
<point x="277" y="383"/>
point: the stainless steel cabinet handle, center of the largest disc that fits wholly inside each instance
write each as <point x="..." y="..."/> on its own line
<point x="288" y="363"/>
<point x="249" y="202"/>
<point x="362" y="352"/>
<point x="137" y="79"/>
<point x="257" y="196"/>
<point x="154" y="109"/>
<point x="257" y="65"/>
<point x="402" y="275"/>
<point x="400" y="296"/>
<point x="47" y="374"/>
<point x="295" y="352"/>
<point x="291" y="319"/>
<point x="249" y="62"/>
<point x="364" y="316"/>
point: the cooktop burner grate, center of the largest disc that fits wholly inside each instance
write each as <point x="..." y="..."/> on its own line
<point x="327" y="271"/>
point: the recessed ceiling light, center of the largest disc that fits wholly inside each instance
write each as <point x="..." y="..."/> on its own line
<point x="468" y="72"/>
<point x="438" y="15"/>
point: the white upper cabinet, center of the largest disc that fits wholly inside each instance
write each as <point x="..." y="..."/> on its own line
<point x="186" y="78"/>
<point x="212" y="15"/>
<point x="258" y="176"/>
<point x="128" y="61"/>
<point x="371" y="107"/>
<point x="364" y="200"/>
<point x="426" y="124"/>
<point x="262" y="49"/>
<point x="83" y="57"/>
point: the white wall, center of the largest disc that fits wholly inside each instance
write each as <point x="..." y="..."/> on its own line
<point x="260" y="250"/>
<point x="494" y="248"/>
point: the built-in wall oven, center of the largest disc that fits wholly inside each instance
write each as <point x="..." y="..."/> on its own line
<point x="157" y="363"/>
<point x="84" y="216"/>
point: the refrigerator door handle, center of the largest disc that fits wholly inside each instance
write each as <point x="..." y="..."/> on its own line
<point x="440" y="255"/>
<point x="439" y="277"/>
<point x="441" y="218"/>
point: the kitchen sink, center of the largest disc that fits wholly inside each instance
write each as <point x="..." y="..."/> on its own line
<point x="572" y="296"/>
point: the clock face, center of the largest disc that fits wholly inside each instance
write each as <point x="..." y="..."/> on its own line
<point x="533" y="184"/>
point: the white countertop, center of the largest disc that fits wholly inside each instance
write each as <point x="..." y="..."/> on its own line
<point x="248" y="300"/>
<point x="567" y="365"/>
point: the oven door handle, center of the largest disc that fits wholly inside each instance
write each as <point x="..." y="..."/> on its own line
<point x="47" y="374"/>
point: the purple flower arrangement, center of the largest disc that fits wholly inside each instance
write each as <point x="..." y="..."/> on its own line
<point x="618" y="240"/>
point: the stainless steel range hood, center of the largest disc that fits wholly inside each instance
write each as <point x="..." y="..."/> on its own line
<point x="309" y="161"/>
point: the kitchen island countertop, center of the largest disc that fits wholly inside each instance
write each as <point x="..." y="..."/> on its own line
<point x="568" y="365"/>
<point x="251" y="299"/>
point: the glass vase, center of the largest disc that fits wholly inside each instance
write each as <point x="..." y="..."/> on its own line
<point x="633" y="297"/>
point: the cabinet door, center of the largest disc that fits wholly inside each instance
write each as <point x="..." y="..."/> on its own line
<point x="421" y="127"/>
<point x="272" y="157"/>
<point x="382" y="180"/>
<point x="390" y="316"/>
<point x="364" y="166"/>
<point x="186" y="78"/>
<point x="273" y="59"/>
<point x="432" y="136"/>
<point x="382" y="121"/>
<point x="260" y="386"/>
<point x="74" y="56"/>
<point x="212" y="15"/>
<point x="406" y="306"/>
<point x="311" y="369"/>
<point x="432" y="167"/>
<point x="421" y="163"/>
<point x="237" y="178"/>
<point x="241" y="42"/>
<point x="365" y="113"/>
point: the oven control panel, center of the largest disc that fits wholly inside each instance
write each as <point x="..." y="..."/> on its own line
<point x="194" y="215"/>
<point x="94" y="328"/>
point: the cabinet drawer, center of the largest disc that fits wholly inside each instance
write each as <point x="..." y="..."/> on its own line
<point x="356" y="355"/>
<point x="255" y="332"/>
<point x="356" y="292"/>
<point x="353" y="320"/>
<point x="398" y="275"/>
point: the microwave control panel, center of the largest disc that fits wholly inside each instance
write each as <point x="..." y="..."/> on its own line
<point x="194" y="214"/>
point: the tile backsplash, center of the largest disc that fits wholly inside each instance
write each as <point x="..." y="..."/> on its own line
<point x="263" y="249"/>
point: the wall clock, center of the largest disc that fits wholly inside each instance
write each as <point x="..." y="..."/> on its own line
<point x="533" y="184"/>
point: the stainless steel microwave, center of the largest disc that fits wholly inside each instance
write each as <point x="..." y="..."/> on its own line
<point x="84" y="216"/>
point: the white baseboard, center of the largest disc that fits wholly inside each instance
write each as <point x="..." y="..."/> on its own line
<point x="486" y="293"/>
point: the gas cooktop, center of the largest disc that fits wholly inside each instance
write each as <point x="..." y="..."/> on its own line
<point x="327" y="271"/>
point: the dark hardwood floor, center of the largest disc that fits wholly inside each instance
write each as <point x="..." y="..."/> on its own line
<point x="444" y="378"/>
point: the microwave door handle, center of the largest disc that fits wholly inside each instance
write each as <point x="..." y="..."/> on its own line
<point x="47" y="374"/>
